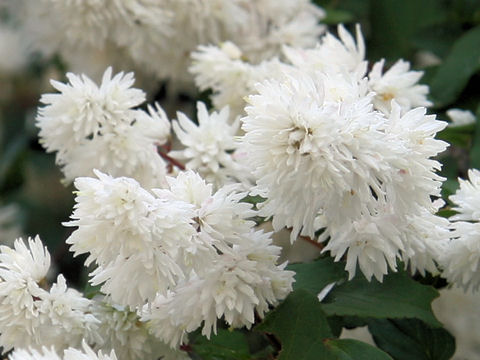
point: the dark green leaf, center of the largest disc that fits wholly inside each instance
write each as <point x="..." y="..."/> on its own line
<point x="304" y="332"/>
<point x="398" y="296"/>
<point x="225" y="345"/>
<point x="411" y="339"/>
<point x="459" y="136"/>
<point x="475" y="150"/>
<point x="314" y="276"/>
<point x="395" y="23"/>
<point x="349" y="349"/>
<point x="337" y="16"/>
<point x="301" y="325"/>
<point x="453" y="75"/>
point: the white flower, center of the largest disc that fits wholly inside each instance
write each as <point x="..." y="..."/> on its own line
<point x="426" y="237"/>
<point x="225" y="70"/>
<point x="318" y="148"/>
<point x="220" y="218"/>
<point x="460" y="117"/>
<point x="96" y="127"/>
<point x="467" y="198"/>
<point x="87" y="354"/>
<point x="29" y="314"/>
<point x="129" y="233"/>
<point x="331" y="54"/>
<point x="68" y="314"/>
<point x="461" y="259"/>
<point x="235" y="286"/>
<point x="308" y="152"/>
<point x="32" y="354"/>
<point x="398" y="83"/>
<point x="82" y="109"/>
<point x="208" y="146"/>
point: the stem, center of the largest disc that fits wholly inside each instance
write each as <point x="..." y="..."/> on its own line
<point x="171" y="160"/>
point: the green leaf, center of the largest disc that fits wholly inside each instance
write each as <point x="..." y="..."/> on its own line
<point x="399" y="296"/>
<point x="459" y="136"/>
<point x="349" y="349"/>
<point x="301" y="325"/>
<point x="314" y="276"/>
<point x="453" y="75"/>
<point x="90" y="291"/>
<point x="411" y="339"/>
<point x="337" y="16"/>
<point x="302" y="328"/>
<point x="395" y="23"/>
<point x="225" y="345"/>
<point x="475" y="150"/>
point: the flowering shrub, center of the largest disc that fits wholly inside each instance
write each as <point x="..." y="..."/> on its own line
<point x="181" y="208"/>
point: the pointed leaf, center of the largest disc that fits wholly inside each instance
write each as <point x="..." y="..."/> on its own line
<point x="411" y="339"/>
<point x="398" y="296"/>
<point x="314" y="276"/>
<point x="461" y="63"/>
<point x="226" y="345"/>
<point x="349" y="349"/>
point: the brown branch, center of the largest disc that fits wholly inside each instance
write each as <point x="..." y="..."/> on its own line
<point x="171" y="160"/>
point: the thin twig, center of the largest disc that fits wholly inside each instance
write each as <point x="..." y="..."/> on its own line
<point x="171" y="160"/>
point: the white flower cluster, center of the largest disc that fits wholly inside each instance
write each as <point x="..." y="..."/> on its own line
<point x="35" y="314"/>
<point x="69" y="354"/>
<point x="140" y="30"/>
<point x="92" y="126"/>
<point x="226" y="71"/>
<point x="31" y="316"/>
<point x="191" y="255"/>
<point x="211" y="148"/>
<point x="340" y="153"/>
<point x="461" y="259"/>
<point x="328" y="153"/>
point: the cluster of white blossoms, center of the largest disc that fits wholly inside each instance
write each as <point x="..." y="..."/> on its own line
<point x="337" y="149"/>
<point x="191" y="255"/>
<point x="211" y="148"/>
<point x="461" y="259"/>
<point x="135" y="32"/>
<point x="69" y="354"/>
<point x="31" y="316"/>
<point x="91" y="126"/>
<point x="234" y="77"/>
<point x="35" y="314"/>
<point x="339" y="153"/>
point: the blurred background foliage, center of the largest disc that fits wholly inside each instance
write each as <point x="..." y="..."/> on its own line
<point x="440" y="37"/>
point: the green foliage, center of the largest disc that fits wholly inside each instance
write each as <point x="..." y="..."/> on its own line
<point x="304" y="332"/>
<point x="475" y="150"/>
<point x="461" y="63"/>
<point x="226" y="345"/>
<point x="411" y="339"/>
<point x="398" y="296"/>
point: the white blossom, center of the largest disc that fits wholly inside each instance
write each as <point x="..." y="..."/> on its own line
<point x="460" y="117"/>
<point x="235" y="286"/>
<point x="122" y="331"/>
<point x="461" y="259"/>
<point x="32" y="316"/>
<point x="208" y="146"/>
<point x="398" y="83"/>
<point x="92" y="126"/>
<point x="129" y="233"/>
